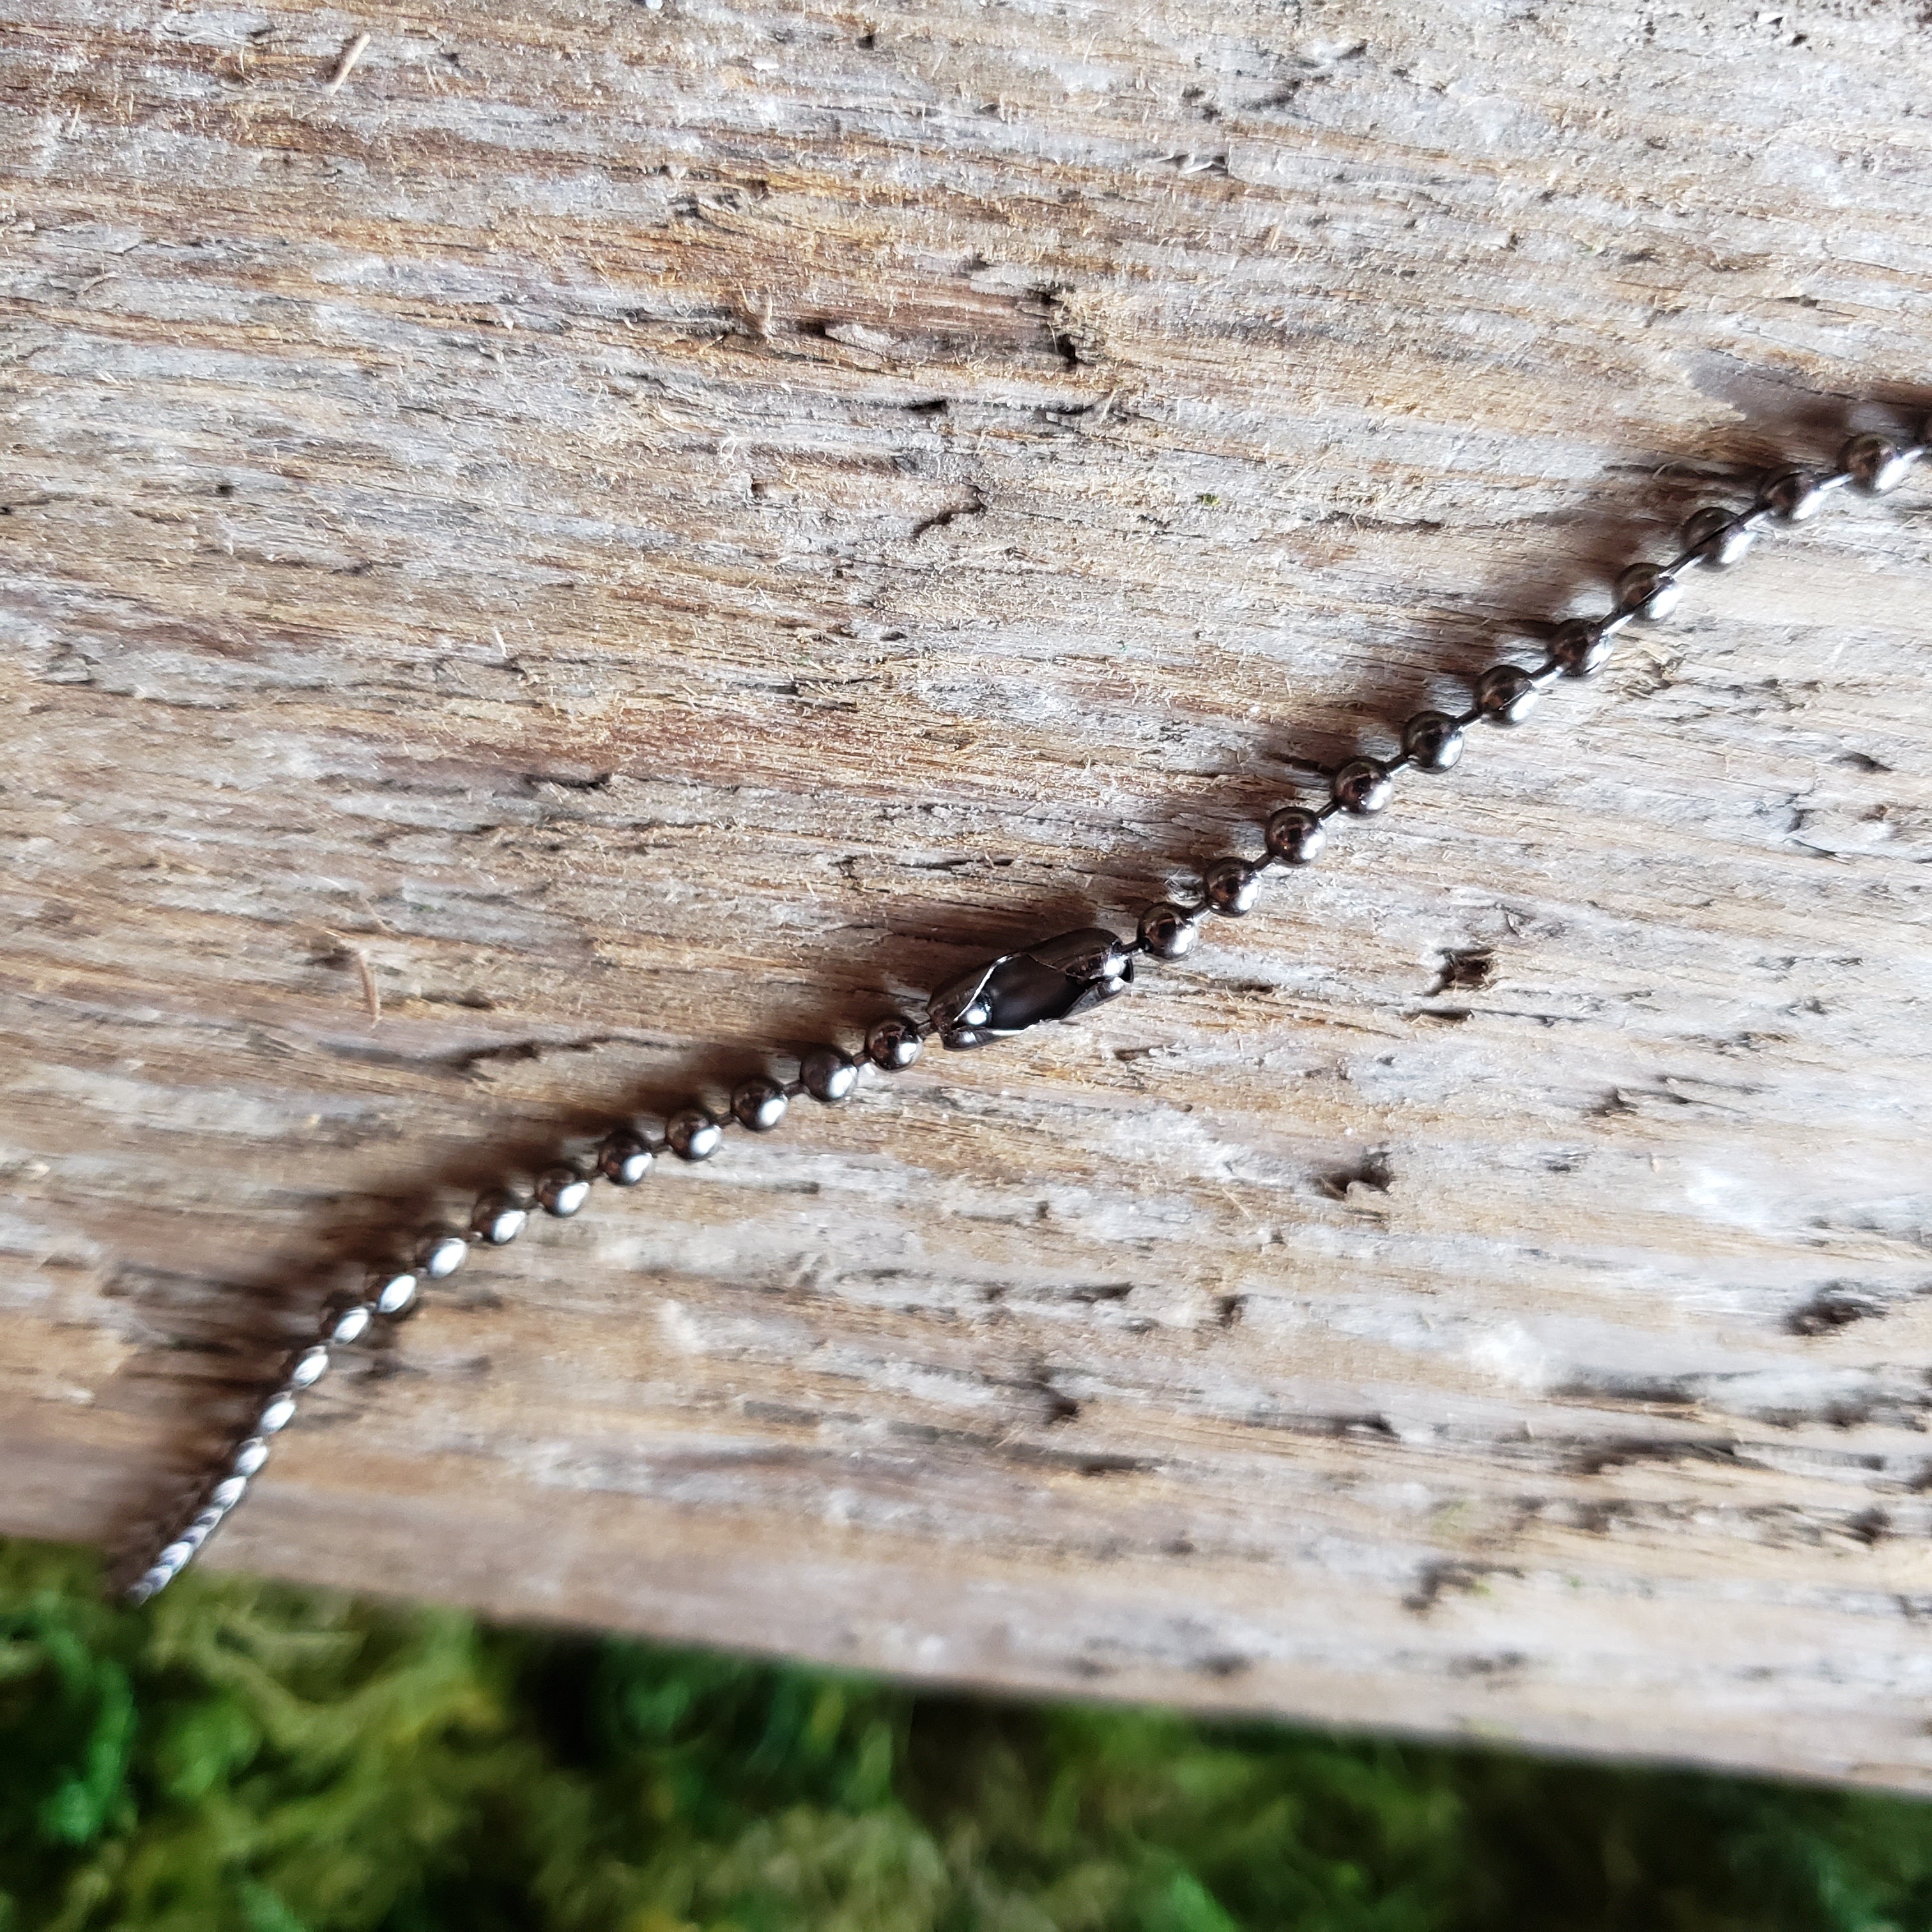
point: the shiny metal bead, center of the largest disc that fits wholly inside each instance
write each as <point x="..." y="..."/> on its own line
<point x="249" y="1456"/>
<point x="829" y="1075"/>
<point x="1506" y="693"/>
<point x="308" y="1368"/>
<point x="759" y="1104"/>
<point x="1876" y="464"/>
<point x="1580" y="647"/>
<point x="1433" y="741"/>
<point x="1168" y="931"/>
<point x="1793" y="496"/>
<point x="562" y="1190"/>
<point x="1231" y="886"/>
<point x="441" y="1253"/>
<point x="499" y="1218"/>
<point x="1649" y="590"/>
<point x="1364" y="787"/>
<point x="343" y="1326"/>
<point x="230" y="1491"/>
<point x="692" y="1133"/>
<point x="1717" y="538"/>
<point x="1296" y="837"/>
<point x="893" y="1043"/>
<point x="277" y="1416"/>
<point x="624" y="1159"/>
<point x="391" y="1290"/>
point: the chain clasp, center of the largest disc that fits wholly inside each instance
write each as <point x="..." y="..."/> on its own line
<point x="1058" y="979"/>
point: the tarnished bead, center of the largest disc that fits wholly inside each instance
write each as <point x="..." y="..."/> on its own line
<point x="1506" y="693"/>
<point x="343" y="1326"/>
<point x="277" y="1415"/>
<point x="893" y="1043"/>
<point x="309" y="1367"/>
<point x="499" y="1218"/>
<point x="829" y="1075"/>
<point x="1231" y="886"/>
<point x="624" y="1159"/>
<point x="1875" y="463"/>
<point x="1168" y="931"/>
<point x="1649" y="591"/>
<point x="391" y="1290"/>
<point x="1793" y="496"/>
<point x="759" y="1104"/>
<point x="562" y="1190"/>
<point x="1579" y="647"/>
<point x="1296" y="836"/>
<point x="1717" y="538"/>
<point x="441" y="1253"/>
<point x="249" y="1456"/>
<point x="692" y="1133"/>
<point x="1433" y="741"/>
<point x="1364" y="787"/>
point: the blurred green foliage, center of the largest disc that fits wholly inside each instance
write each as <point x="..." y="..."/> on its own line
<point x="240" y="1757"/>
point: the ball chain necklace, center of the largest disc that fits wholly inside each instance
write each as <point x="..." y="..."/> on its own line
<point x="1058" y="979"/>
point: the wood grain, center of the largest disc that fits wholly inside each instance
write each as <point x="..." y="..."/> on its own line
<point x="618" y="538"/>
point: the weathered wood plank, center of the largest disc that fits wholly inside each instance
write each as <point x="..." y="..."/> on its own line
<point x="629" y="536"/>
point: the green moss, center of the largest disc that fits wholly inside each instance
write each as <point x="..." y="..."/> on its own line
<point x="243" y="1758"/>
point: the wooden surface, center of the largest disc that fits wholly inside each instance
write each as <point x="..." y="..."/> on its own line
<point x="625" y="534"/>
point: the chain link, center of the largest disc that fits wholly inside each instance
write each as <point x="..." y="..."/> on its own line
<point x="1056" y="980"/>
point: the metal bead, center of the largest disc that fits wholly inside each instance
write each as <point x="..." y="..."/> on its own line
<point x="1232" y="886"/>
<point x="144" y="1586"/>
<point x="392" y="1290"/>
<point x="692" y="1133"/>
<point x="893" y="1043"/>
<point x="1580" y="648"/>
<point x="1876" y="464"/>
<point x="1169" y="932"/>
<point x="226" y="1493"/>
<point x="624" y="1159"/>
<point x="829" y="1075"/>
<point x="277" y="1416"/>
<point x="562" y="1190"/>
<point x="1716" y="538"/>
<point x="759" y="1104"/>
<point x="343" y="1326"/>
<point x="499" y="1218"/>
<point x="1506" y="693"/>
<point x="308" y="1368"/>
<point x="1433" y="741"/>
<point x="175" y="1558"/>
<point x="1649" y="591"/>
<point x="441" y="1253"/>
<point x="249" y="1456"/>
<point x="1296" y="837"/>
<point x="1364" y="787"/>
<point x="1793" y="496"/>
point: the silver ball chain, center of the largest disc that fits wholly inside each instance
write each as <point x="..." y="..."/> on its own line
<point x="1057" y="979"/>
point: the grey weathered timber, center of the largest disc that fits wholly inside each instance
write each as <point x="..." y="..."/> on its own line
<point x="604" y="540"/>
